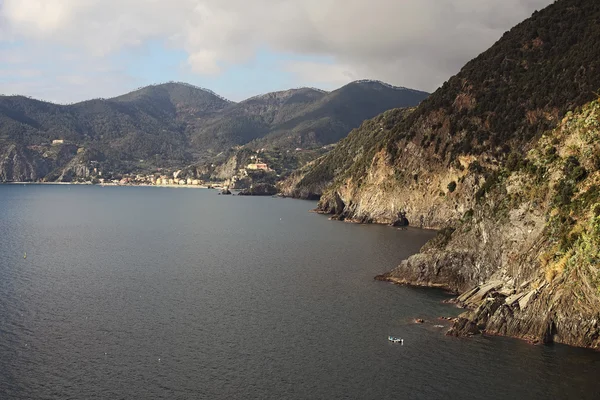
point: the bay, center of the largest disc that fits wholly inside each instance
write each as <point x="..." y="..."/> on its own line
<point x="132" y="292"/>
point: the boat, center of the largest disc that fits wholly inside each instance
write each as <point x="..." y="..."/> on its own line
<point x="395" y="340"/>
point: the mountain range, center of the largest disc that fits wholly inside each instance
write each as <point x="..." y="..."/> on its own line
<point x="175" y="124"/>
<point x="504" y="160"/>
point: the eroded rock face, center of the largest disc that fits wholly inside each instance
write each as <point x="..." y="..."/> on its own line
<point x="293" y="187"/>
<point x="419" y="193"/>
<point x="18" y="164"/>
<point x="543" y="319"/>
<point x="525" y="259"/>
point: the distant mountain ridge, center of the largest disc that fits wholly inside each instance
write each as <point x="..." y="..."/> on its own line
<point x="175" y="124"/>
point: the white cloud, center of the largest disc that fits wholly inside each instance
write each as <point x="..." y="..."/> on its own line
<point x="415" y="43"/>
<point x="321" y="73"/>
<point x="58" y="76"/>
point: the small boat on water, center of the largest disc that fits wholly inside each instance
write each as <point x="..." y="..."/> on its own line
<point x="395" y="340"/>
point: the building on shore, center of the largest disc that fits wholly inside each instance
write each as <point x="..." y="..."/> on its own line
<point x="258" y="166"/>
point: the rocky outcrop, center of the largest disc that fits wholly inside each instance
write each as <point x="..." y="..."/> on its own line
<point x="296" y="187"/>
<point x="19" y="164"/>
<point x="355" y="151"/>
<point x="419" y="192"/>
<point x="60" y="163"/>
<point x="260" y="189"/>
<point x="526" y="258"/>
<point x="227" y="169"/>
<point x="491" y="161"/>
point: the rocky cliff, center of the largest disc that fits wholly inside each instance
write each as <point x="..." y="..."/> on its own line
<point x="63" y="163"/>
<point x="526" y="258"/>
<point x="260" y="189"/>
<point x="498" y="104"/>
<point x="350" y="156"/>
<point x="517" y="233"/>
<point x="19" y="164"/>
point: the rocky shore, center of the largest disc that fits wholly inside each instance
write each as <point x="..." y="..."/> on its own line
<point x="260" y="189"/>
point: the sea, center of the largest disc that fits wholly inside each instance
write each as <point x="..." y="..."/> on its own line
<point x="163" y="293"/>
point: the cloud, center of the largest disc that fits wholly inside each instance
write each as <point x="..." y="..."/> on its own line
<point x="414" y="43"/>
<point x="57" y="75"/>
<point x="322" y="73"/>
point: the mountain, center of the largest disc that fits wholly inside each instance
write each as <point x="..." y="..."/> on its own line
<point x="330" y="118"/>
<point x="253" y="118"/>
<point x="173" y="125"/>
<point x="503" y="160"/>
<point x="305" y="118"/>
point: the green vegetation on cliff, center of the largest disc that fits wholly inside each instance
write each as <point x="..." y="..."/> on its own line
<point x="530" y="248"/>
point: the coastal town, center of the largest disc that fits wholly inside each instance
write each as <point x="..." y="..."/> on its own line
<point x="175" y="179"/>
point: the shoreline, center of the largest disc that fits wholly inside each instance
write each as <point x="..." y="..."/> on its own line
<point x="335" y="218"/>
<point x="386" y="277"/>
<point x="114" y="185"/>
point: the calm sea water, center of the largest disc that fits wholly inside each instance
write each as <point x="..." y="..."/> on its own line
<point x="148" y="293"/>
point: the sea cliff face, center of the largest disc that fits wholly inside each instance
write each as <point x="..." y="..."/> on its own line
<point x="60" y="163"/>
<point x="19" y="164"/>
<point x="526" y="257"/>
<point x="350" y="156"/>
<point x="384" y="192"/>
<point x="503" y="160"/>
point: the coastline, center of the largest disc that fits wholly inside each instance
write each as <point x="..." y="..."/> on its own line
<point x="113" y="185"/>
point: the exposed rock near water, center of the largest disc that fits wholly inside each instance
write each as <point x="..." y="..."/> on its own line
<point x="261" y="189"/>
<point x="18" y="164"/>
<point x="513" y="186"/>
<point x="526" y="259"/>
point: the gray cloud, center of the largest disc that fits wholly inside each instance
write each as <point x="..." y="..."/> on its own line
<point x="415" y="43"/>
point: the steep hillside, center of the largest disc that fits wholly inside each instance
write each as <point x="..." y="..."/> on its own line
<point x="442" y="165"/>
<point x="251" y="119"/>
<point x="499" y="103"/>
<point x="350" y="154"/>
<point x="527" y="256"/>
<point x="149" y="123"/>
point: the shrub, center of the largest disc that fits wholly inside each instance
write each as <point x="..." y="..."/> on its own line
<point x="573" y="169"/>
<point x="564" y="193"/>
<point x="514" y="161"/>
<point x="475" y="167"/>
<point x="452" y="187"/>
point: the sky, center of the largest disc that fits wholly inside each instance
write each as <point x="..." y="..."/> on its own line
<point x="71" y="50"/>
